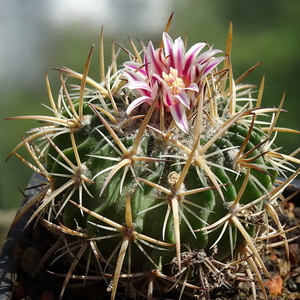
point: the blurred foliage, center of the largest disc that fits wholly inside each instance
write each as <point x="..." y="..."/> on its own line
<point x="263" y="31"/>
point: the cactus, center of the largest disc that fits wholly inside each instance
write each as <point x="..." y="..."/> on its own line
<point x="163" y="176"/>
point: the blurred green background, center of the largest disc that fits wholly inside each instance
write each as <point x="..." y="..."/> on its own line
<point x="40" y="35"/>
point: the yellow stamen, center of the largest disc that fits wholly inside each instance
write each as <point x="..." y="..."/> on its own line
<point x="175" y="83"/>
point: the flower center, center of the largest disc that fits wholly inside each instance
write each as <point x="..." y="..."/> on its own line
<point x="175" y="83"/>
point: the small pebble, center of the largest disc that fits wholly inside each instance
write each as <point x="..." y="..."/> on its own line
<point x="274" y="285"/>
<point x="30" y="260"/>
<point x="47" y="295"/>
<point x="292" y="286"/>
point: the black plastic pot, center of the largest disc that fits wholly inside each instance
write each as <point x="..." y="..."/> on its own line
<point x="9" y="258"/>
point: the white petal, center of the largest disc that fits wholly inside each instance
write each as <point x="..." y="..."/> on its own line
<point x="168" y="43"/>
<point x="138" y="85"/>
<point x="184" y="99"/>
<point x="193" y="86"/>
<point x="178" y="113"/>
<point x="133" y="76"/>
<point x="136" y="103"/>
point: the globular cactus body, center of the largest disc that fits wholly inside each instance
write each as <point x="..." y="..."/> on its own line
<point x="165" y="165"/>
<point x="204" y="207"/>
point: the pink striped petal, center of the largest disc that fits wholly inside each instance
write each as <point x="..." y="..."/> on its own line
<point x="153" y="64"/>
<point x="136" y="103"/>
<point x="168" y="44"/>
<point x="154" y="90"/>
<point x="178" y="113"/>
<point x="212" y="63"/>
<point x="183" y="99"/>
<point x="177" y="55"/>
<point x="191" y="55"/>
<point x="206" y="55"/>
<point x="193" y="87"/>
<point x="138" y="85"/>
<point x="133" y="76"/>
<point x="168" y="97"/>
<point x="133" y="66"/>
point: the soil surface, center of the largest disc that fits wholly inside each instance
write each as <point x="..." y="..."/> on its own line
<point x="285" y="276"/>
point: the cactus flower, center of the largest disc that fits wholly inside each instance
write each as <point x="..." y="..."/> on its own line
<point x="172" y="75"/>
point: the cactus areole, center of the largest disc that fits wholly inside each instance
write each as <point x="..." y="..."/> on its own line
<point x="164" y="170"/>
